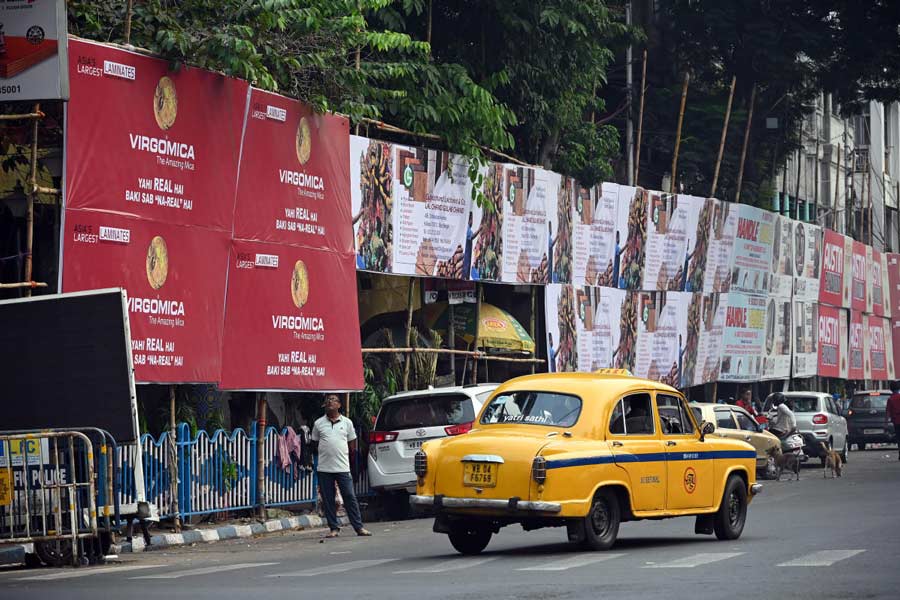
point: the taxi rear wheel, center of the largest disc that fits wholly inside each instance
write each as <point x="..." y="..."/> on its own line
<point x="729" y="521"/>
<point x="469" y="538"/>
<point x="601" y="525"/>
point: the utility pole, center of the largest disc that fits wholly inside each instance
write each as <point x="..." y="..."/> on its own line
<point x="629" y="83"/>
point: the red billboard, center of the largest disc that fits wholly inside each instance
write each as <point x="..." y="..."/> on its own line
<point x="292" y="321"/>
<point x="294" y="184"/>
<point x="175" y="279"/>
<point x="859" y="272"/>
<point x="877" y="281"/>
<point x="879" y="344"/>
<point x="856" y="351"/>
<point x="834" y="286"/>
<point x="143" y="140"/>
<point x="832" y="342"/>
<point x="893" y="296"/>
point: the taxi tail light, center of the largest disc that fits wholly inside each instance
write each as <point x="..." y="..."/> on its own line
<point x="380" y="437"/>
<point x="820" y="419"/>
<point x="420" y="464"/>
<point x="459" y="428"/>
<point x="850" y="413"/>
<point x="539" y="469"/>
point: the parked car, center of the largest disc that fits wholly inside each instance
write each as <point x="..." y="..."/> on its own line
<point x="736" y="423"/>
<point x="867" y="418"/>
<point x="407" y="420"/>
<point x="818" y="420"/>
<point x="585" y="451"/>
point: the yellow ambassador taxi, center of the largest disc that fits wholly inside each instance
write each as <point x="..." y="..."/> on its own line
<point x="585" y="451"/>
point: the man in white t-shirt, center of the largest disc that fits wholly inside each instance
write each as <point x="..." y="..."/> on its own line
<point x="335" y="438"/>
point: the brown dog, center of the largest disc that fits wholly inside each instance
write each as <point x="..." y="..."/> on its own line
<point x="832" y="461"/>
<point x="785" y="461"/>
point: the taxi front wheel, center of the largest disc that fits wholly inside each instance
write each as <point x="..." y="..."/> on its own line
<point x="729" y="521"/>
<point x="601" y="525"/>
<point x="469" y="538"/>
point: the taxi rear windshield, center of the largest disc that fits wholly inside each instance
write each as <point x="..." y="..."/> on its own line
<point x="533" y="408"/>
<point x="867" y="401"/>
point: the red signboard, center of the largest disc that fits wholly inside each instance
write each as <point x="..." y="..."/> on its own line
<point x="175" y="279"/>
<point x="876" y="282"/>
<point x="858" y="276"/>
<point x="834" y="288"/>
<point x="893" y="296"/>
<point x="294" y="184"/>
<point x="143" y="140"/>
<point x="856" y="362"/>
<point x="879" y="343"/>
<point x="832" y="341"/>
<point x="292" y="319"/>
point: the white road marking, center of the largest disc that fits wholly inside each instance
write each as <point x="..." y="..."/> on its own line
<point x="823" y="558"/>
<point x="695" y="560"/>
<point x="579" y="560"/>
<point x="454" y="564"/>
<point x="205" y="570"/>
<point x="86" y="572"/>
<point x="341" y="568"/>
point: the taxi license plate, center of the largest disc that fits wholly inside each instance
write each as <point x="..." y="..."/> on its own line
<point x="872" y="431"/>
<point x="479" y="474"/>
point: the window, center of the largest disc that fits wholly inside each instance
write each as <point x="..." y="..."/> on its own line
<point x="698" y="414"/>
<point x="869" y="402"/>
<point x="632" y="415"/>
<point x="803" y="404"/>
<point x="724" y="419"/>
<point x="673" y="415"/>
<point x="745" y="422"/>
<point x="425" y="411"/>
<point x="533" y="408"/>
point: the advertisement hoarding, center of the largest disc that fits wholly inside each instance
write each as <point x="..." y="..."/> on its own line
<point x="34" y="61"/>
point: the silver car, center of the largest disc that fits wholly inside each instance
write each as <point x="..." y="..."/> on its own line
<point x="818" y="420"/>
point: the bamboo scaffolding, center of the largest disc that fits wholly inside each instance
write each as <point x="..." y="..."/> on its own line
<point x="740" y="180"/>
<point x="715" y="181"/>
<point x="22" y="116"/>
<point x="684" y="90"/>
<point x="23" y="284"/>
<point x="837" y="182"/>
<point x="473" y="353"/>
<point x="637" y="151"/>
<point x="29" y="215"/>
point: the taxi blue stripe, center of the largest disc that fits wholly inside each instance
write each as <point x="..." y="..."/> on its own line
<point x="649" y="457"/>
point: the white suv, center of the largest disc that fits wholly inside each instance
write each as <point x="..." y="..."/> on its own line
<point x="407" y="420"/>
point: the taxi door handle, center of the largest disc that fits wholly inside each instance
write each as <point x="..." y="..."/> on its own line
<point x="746" y="438"/>
<point x="617" y="444"/>
<point x="670" y="443"/>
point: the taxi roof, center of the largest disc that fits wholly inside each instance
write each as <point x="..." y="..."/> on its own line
<point x="612" y="385"/>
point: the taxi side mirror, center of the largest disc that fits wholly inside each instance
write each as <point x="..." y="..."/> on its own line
<point x="706" y="428"/>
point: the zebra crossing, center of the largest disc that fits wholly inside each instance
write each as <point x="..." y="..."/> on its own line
<point x="424" y="566"/>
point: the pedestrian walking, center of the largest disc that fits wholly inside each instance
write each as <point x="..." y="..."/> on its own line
<point x="335" y="439"/>
<point x="892" y="413"/>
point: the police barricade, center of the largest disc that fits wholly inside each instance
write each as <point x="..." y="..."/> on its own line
<point x="48" y="493"/>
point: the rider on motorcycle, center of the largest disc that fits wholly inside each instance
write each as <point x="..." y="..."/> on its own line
<point x="782" y="423"/>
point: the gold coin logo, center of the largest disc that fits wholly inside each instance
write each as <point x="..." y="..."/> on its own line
<point x="304" y="141"/>
<point x="300" y="284"/>
<point x="165" y="103"/>
<point x="157" y="263"/>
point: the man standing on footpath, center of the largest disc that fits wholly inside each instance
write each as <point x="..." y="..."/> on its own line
<point x="335" y="437"/>
<point x="892" y="413"/>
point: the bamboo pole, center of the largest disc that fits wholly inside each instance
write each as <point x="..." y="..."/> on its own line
<point x="23" y="284"/>
<point x="128" y="13"/>
<point x="637" y="151"/>
<point x="869" y="201"/>
<point x="740" y="180"/>
<point x="837" y="190"/>
<point x="479" y="354"/>
<point x="451" y="333"/>
<point x="22" y="116"/>
<point x="478" y="291"/>
<point x="428" y="34"/>
<point x="173" y="461"/>
<point x="32" y="196"/>
<point x="684" y="90"/>
<point x="409" y="313"/>
<point x="261" y="411"/>
<point x="715" y="181"/>
<point x="816" y="180"/>
<point x="533" y="316"/>
<point x="799" y="170"/>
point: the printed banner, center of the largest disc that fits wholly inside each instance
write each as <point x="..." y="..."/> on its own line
<point x="668" y="254"/>
<point x="175" y="279"/>
<point x="832" y="342"/>
<point x="777" y="357"/>
<point x="291" y="320"/>
<point x="806" y="328"/>
<point x="856" y="365"/>
<point x="717" y="276"/>
<point x="485" y="233"/>
<point x="834" y="286"/>
<point x="783" y="267"/>
<point x="372" y="203"/>
<point x="893" y="271"/>
<point x="751" y="266"/>
<point x="879" y="348"/>
<point x="561" y="223"/>
<point x="585" y="306"/>
<point x="530" y="197"/>
<point x="559" y="312"/>
<point x="596" y="243"/>
<point x="633" y="208"/>
<point x="859" y="272"/>
<point x="34" y="61"/>
<point x="613" y="344"/>
<point x="877" y="283"/>
<point x="145" y="141"/>
<point x="703" y="349"/>
<point x="807" y="261"/>
<point x="293" y="185"/>
<point x="743" y="339"/>
<point x="662" y="333"/>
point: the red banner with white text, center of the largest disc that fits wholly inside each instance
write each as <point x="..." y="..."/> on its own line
<point x="143" y="140"/>
<point x="832" y="342"/>
<point x="175" y="279"/>
<point x="856" y="363"/>
<point x="859" y="275"/>
<point x="294" y="183"/>
<point x="291" y="321"/>
<point x="879" y="348"/>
